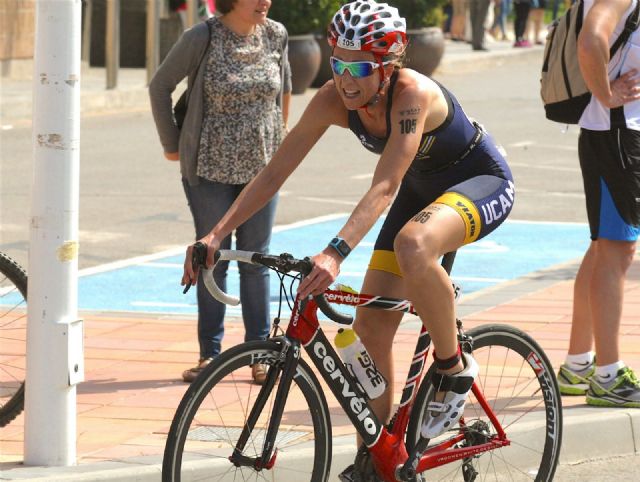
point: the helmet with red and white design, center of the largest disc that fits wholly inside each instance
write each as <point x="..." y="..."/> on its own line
<point x="368" y="26"/>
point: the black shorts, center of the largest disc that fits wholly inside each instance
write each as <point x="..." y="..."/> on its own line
<point x="480" y="188"/>
<point x="610" y="163"/>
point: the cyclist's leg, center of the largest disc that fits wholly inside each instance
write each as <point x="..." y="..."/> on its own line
<point x="434" y="231"/>
<point x="255" y="235"/>
<point x="376" y="329"/>
<point x="463" y="214"/>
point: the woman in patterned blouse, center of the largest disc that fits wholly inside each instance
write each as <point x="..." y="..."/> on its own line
<point x="239" y="92"/>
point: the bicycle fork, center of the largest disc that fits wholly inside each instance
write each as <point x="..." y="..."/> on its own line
<point x="286" y="363"/>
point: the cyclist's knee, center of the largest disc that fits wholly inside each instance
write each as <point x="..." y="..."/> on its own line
<point x="376" y="330"/>
<point x="415" y="248"/>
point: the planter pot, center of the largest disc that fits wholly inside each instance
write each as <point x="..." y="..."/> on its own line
<point x="324" y="73"/>
<point x="425" y="49"/>
<point x="304" y="57"/>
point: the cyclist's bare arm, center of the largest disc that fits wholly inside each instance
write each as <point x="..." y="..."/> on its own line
<point x="318" y="116"/>
<point x="399" y="152"/>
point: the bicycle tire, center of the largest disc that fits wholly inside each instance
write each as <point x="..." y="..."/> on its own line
<point x="526" y="400"/>
<point x="206" y="424"/>
<point x="13" y="329"/>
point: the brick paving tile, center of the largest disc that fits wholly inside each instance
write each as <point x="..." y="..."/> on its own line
<point x="133" y="381"/>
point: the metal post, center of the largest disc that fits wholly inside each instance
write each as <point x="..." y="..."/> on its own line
<point x="112" y="44"/>
<point x="192" y="13"/>
<point x="153" y="38"/>
<point x="54" y="334"/>
<point x="86" y="31"/>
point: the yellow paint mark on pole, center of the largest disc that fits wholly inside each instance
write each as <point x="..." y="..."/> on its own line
<point x="68" y="251"/>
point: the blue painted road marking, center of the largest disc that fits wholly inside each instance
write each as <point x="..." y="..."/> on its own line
<point x="514" y="250"/>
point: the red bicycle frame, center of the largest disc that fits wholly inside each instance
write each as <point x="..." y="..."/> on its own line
<point x="387" y="445"/>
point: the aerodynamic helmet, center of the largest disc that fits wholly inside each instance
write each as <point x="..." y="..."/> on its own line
<point x="368" y="26"/>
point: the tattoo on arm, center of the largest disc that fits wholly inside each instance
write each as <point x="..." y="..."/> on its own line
<point x="408" y="126"/>
<point x="411" y="111"/>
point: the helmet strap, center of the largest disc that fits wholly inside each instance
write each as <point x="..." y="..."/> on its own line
<point x="383" y="80"/>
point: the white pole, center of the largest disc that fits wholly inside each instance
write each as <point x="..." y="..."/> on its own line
<point x="112" y="43"/>
<point x="153" y="38"/>
<point x="54" y="335"/>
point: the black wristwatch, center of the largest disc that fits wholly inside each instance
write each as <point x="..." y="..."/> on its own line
<point x="341" y="246"/>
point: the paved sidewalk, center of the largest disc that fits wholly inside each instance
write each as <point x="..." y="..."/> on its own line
<point x="133" y="365"/>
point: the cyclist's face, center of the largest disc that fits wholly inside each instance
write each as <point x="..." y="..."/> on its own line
<point x="355" y="90"/>
<point x="252" y="11"/>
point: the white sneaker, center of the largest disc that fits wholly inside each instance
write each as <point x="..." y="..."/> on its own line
<point x="441" y="416"/>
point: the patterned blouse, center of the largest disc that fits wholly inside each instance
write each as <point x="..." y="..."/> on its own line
<point x="242" y="126"/>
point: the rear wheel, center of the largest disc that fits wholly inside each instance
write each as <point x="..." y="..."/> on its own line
<point x="211" y="416"/>
<point x="520" y="386"/>
<point x="13" y="338"/>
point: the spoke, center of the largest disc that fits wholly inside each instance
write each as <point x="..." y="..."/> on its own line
<point x="525" y="413"/>
<point x="498" y="454"/>
<point x="19" y="318"/>
<point x="504" y="364"/>
<point x="4" y="370"/>
<point x="531" y="449"/>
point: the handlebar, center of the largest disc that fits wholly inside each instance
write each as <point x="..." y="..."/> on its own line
<point x="284" y="263"/>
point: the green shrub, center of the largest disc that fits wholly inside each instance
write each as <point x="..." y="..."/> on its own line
<point x="420" y="13"/>
<point x="304" y="16"/>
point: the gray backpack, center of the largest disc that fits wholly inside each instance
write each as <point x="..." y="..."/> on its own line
<point x="564" y="92"/>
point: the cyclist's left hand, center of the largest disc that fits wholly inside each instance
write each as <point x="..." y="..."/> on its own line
<point x="326" y="266"/>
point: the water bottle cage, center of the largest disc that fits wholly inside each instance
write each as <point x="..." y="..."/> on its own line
<point x="359" y="386"/>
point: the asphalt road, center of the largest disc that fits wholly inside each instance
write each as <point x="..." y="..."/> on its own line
<point x="132" y="201"/>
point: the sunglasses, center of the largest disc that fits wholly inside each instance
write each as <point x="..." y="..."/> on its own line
<point x="357" y="70"/>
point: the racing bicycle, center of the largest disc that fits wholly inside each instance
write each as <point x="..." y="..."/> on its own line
<point x="227" y="428"/>
<point x="13" y="331"/>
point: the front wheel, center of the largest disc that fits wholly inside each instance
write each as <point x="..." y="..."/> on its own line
<point x="13" y="338"/>
<point x="214" y="410"/>
<point x="520" y="386"/>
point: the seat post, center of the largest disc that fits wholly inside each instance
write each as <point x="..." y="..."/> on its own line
<point x="447" y="261"/>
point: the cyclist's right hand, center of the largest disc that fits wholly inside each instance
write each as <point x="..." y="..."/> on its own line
<point x="192" y="266"/>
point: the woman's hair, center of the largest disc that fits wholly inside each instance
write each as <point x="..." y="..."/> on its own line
<point x="398" y="61"/>
<point x="224" y="6"/>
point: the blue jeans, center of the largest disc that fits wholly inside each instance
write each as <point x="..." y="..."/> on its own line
<point x="500" y="20"/>
<point x="208" y="202"/>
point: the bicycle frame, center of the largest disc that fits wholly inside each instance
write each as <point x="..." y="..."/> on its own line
<point x="387" y="445"/>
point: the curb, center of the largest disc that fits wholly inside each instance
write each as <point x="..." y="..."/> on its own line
<point x="588" y="433"/>
<point x="471" y="61"/>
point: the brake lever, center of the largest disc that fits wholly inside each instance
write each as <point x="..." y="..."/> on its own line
<point x="198" y="259"/>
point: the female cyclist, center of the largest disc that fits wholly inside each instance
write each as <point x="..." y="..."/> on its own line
<point x="445" y="179"/>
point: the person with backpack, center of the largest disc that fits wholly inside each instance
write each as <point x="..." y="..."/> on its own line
<point x="609" y="152"/>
